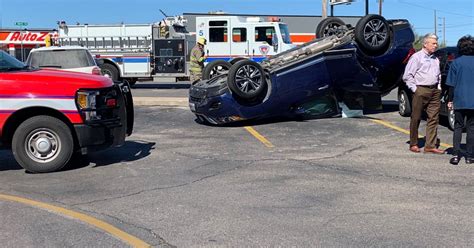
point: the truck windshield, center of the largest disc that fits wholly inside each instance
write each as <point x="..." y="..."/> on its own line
<point x="285" y="34"/>
<point x="9" y="63"/>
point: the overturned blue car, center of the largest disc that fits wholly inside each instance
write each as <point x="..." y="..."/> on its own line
<point x="352" y="66"/>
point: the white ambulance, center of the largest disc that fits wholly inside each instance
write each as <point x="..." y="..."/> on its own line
<point x="231" y="38"/>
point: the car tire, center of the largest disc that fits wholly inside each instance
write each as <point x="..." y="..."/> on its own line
<point x="404" y="104"/>
<point x="246" y="79"/>
<point x="372" y="34"/>
<point x="42" y="144"/>
<point x="329" y="26"/>
<point x="110" y="71"/>
<point x="215" y="68"/>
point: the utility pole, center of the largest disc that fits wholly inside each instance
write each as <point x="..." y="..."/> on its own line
<point x="444" y="30"/>
<point x="435" y="24"/>
<point x="366" y="7"/>
<point x="325" y="9"/>
<point x="380" y="7"/>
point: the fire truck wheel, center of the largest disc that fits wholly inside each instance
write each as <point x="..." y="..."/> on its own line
<point x="372" y="34"/>
<point x="215" y="68"/>
<point x="330" y="26"/>
<point x="109" y="71"/>
<point x="42" y="144"/>
<point x="235" y="60"/>
<point x="246" y="79"/>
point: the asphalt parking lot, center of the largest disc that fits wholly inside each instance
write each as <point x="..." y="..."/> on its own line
<point x="333" y="182"/>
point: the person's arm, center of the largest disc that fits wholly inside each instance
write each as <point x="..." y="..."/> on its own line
<point x="451" y="84"/>
<point x="409" y="74"/>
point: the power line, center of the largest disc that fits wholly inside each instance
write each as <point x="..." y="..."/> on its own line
<point x="427" y="8"/>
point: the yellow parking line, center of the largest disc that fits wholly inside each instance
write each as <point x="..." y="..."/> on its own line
<point x="259" y="137"/>
<point x="131" y="240"/>
<point x="390" y="125"/>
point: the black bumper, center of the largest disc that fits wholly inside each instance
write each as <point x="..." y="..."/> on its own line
<point x="110" y="132"/>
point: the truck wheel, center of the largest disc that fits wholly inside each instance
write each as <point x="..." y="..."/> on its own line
<point x="404" y="104"/>
<point x="42" y="144"/>
<point x="215" y="68"/>
<point x="235" y="60"/>
<point x="329" y="26"/>
<point x="372" y="34"/>
<point x="246" y="79"/>
<point x="110" y="71"/>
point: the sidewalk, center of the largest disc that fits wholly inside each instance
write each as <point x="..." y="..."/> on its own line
<point x="160" y="101"/>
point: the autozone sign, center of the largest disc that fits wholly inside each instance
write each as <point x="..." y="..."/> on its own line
<point x="25" y="37"/>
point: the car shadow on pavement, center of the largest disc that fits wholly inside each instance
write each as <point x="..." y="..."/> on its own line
<point x="7" y="161"/>
<point x="130" y="151"/>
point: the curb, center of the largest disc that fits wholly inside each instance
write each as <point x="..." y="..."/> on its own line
<point x="161" y="101"/>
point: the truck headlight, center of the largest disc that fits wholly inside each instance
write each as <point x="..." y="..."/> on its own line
<point x="87" y="103"/>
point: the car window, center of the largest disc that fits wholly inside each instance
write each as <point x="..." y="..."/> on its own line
<point x="62" y="59"/>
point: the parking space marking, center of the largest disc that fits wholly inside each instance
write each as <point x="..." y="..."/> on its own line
<point x="390" y="125"/>
<point x="131" y="240"/>
<point x="259" y="136"/>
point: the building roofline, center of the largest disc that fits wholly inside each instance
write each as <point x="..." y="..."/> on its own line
<point x="230" y="14"/>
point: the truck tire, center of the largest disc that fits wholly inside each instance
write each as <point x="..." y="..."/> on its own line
<point x="246" y="79"/>
<point x="215" y="68"/>
<point x="329" y="26"/>
<point x="372" y="34"/>
<point x="42" y="144"/>
<point x="110" y="71"/>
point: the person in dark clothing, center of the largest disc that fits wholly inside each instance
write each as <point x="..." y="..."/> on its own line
<point x="460" y="98"/>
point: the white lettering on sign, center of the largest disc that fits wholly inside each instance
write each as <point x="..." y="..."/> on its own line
<point x="27" y="37"/>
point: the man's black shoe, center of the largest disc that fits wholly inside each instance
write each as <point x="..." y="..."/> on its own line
<point x="469" y="160"/>
<point x="455" y="160"/>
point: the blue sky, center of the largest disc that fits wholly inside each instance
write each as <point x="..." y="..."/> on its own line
<point x="458" y="14"/>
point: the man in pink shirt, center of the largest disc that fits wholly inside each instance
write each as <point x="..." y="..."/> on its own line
<point x="422" y="75"/>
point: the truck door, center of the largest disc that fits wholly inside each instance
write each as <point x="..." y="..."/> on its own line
<point x="240" y="42"/>
<point x="218" y="40"/>
<point x="260" y="44"/>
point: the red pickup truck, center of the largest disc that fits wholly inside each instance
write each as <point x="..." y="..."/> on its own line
<point x="48" y="115"/>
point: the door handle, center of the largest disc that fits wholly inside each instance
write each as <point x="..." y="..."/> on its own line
<point x="324" y="87"/>
<point x="368" y="85"/>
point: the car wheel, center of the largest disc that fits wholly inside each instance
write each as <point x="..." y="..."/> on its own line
<point x="246" y="79"/>
<point x="109" y="71"/>
<point x="372" y="34"/>
<point x="451" y="119"/>
<point x="216" y="68"/>
<point x="42" y="144"/>
<point x="330" y="26"/>
<point x="404" y="104"/>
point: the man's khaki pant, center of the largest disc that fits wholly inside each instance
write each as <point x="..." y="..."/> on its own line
<point x="425" y="99"/>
